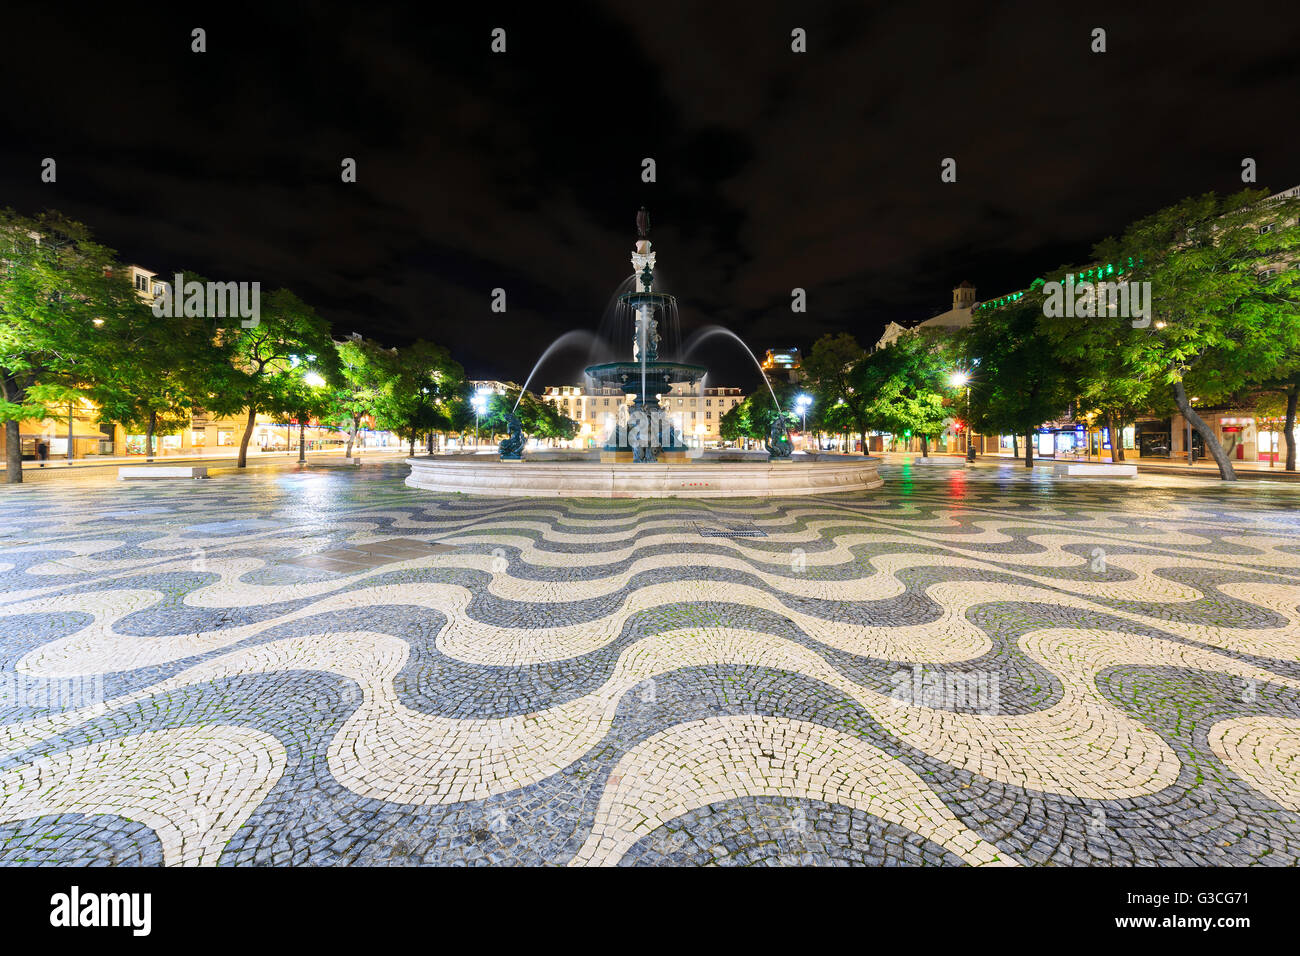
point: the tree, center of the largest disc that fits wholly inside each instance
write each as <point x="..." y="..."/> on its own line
<point x="306" y="391"/>
<point x="1093" y="353"/>
<point x="367" y="371"/>
<point x="539" y="419"/>
<point x="55" y="283"/>
<point x="1278" y="401"/>
<point x="827" y="371"/>
<point x="265" y="373"/>
<point x="1221" y="321"/>
<point x="734" y="424"/>
<point x="151" y="371"/>
<point x="420" y="394"/>
<point x="1015" y="385"/>
<point x="904" y="387"/>
<point x="754" y="415"/>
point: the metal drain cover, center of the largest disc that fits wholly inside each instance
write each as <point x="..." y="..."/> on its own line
<point x="729" y="529"/>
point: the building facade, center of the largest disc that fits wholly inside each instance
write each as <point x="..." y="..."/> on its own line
<point x="695" y="411"/>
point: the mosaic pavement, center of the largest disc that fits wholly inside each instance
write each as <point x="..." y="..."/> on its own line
<point x="325" y="667"/>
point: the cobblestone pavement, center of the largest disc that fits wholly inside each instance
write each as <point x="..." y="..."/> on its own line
<point x="969" y="667"/>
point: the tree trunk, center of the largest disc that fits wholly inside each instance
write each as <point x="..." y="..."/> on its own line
<point x="149" y="429"/>
<point x="302" y="439"/>
<point x="925" y="446"/>
<point x="1110" y="432"/>
<point x="352" y="436"/>
<point x="248" y="434"/>
<point x="430" y="444"/>
<point x="1292" y="394"/>
<point x="1029" y="449"/>
<point x="1015" y="446"/>
<point x="1117" y="443"/>
<point x="13" y="454"/>
<point x="1207" y="436"/>
<point x="412" y="442"/>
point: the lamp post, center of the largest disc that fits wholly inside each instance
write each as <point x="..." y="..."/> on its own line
<point x="312" y="380"/>
<point x="480" y="404"/>
<point x="801" y="403"/>
<point x="961" y="379"/>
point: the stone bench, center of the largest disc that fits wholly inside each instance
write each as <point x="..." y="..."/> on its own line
<point x="945" y="462"/>
<point x="169" y="471"/>
<point x="1089" y="470"/>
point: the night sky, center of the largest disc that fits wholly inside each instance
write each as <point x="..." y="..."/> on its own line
<point x="523" y="170"/>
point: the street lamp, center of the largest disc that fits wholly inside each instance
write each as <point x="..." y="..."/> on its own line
<point x="801" y="403"/>
<point x="960" y="379"/>
<point x="479" y="402"/>
<point x="313" y="380"/>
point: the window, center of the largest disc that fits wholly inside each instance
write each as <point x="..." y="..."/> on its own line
<point x="142" y="282"/>
<point x="708" y="414"/>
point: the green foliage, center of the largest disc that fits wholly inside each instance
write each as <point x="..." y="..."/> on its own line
<point x="753" y="416"/>
<point x="1016" y="385"/>
<point x="539" y="419"/>
<point x="1218" y="326"/>
<point x="55" y="282"/>
<point x="366" y="373"/>
<point x="424" y="383"/>
<point x="904" y="387"/>
<point x="828" y="370"/>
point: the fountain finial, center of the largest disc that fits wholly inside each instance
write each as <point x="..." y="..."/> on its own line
<point x="643" y="223"/>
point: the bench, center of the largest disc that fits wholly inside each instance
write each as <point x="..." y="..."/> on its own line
<point x="1085" y="470"/>
<point x="171" y="471"/>
<point x="945" y="462"/>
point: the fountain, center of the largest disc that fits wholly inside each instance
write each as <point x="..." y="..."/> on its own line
<point x="643" y="454"/>
<point x="646" y="434"/>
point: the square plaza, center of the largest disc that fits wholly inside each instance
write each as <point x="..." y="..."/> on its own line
<point x="319" y="665"/>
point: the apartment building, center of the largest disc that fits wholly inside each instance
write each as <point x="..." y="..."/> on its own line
<point x="696" y="411"/>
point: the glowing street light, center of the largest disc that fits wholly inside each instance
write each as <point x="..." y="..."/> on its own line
<point x="961" y="379"/>
<point x="479" y="401"/>
<point x="801" y="403"/>
<point x="313" y="380"/>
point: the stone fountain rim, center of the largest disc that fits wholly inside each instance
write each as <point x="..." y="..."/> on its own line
<point x="690" y="479"/>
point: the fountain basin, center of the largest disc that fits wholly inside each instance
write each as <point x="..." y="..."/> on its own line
<point x="692" y="479"/>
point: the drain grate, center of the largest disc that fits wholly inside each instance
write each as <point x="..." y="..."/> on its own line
<point x="729" y="529"/>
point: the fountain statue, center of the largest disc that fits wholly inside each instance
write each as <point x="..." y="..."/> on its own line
<point x="647" y="434"/>
<point x="511" y="447"/>
<point x="778" y="442"/>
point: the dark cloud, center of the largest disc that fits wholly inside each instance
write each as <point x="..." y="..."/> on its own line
<point x="522" y="171"/>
